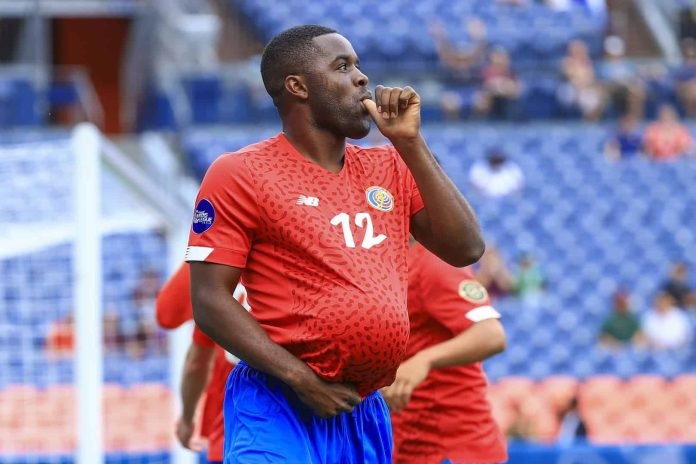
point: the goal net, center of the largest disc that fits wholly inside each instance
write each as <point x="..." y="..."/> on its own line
<point x="85" y="371"/>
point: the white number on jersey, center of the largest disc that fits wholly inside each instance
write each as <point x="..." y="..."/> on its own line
<point x="362" y="220"/>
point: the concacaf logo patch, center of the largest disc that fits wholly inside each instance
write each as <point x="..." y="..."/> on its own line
<point x="203" y="216"/>
<point x="472" y="291"/>
<point x="379" y="198"/>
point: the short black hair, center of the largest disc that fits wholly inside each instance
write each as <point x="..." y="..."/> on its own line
<point x="288" y="53"/>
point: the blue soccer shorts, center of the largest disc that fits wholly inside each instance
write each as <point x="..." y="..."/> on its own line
<point x="265" y="422"/>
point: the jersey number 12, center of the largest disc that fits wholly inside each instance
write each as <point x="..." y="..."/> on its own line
<point x="362" y="220"/>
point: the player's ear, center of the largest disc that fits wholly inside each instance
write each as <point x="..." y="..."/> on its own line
<point x="296" y="86"/>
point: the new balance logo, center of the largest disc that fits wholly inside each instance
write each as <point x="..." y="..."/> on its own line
<point x="307" y="201"/>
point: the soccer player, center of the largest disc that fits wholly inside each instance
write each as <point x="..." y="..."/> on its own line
<point x="317" y="229"/>
<point x="438" y="400"/>
<point x="206" y="365"/>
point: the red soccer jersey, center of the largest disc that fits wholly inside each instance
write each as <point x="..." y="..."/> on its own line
<point x="448" y="416"/>
<point x="324" y="254"/>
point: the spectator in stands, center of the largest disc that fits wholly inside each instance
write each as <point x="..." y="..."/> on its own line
<point x="113" y="338"/>
<point x="667" y="138"/>
<point x="492" y="272"/>
<point x="677" y="286"/>
<point x="685" y="77"/>
<point x="463" y="65"/>
<point x="500" y="87"/>
<point x="625" y="90"/>
<point x="665" y="326"/>
<point x="572" y="427"/>
<point x="496" y="176"/>
<point x="529" y="281"/>
<point x="626" y="142"/>
<point x="622" y="326"/>
<point x="581" y="88"/>
<point x="140" y="331"/>
<point x="60" y="341"/>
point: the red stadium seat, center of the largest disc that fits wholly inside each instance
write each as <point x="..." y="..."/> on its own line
<point x="514" y="389"/>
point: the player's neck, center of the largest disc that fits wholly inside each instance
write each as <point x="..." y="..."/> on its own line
<point x="318" y="146"/>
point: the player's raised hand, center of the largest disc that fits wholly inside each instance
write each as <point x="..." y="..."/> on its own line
<point x="396" y="111"/>
<point x="327" y="399"/>
<point x="410" y="374"/>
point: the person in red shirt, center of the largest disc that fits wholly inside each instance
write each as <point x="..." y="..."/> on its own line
<point x="206" y="367"/>
<point x="438" y="401"/>
<point x="317" y="230"/>
<point x="667" y="138"/>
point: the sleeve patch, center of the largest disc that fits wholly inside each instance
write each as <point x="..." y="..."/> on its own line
<point x="203" y="216"/>
<point x="472" y="291"/>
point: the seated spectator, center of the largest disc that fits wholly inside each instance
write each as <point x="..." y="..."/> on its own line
<point x="623" y="87"/>
<point x="529" y="282"/>
<point x="667" y="138"/>
<point x="621" y="326"/>
<point x="581" y="88"/>
<point x="496" y="176"/>
<point x="139" y="329"/>
<point x="113" y="338"/>
<point x="665" y="326"/>
<point x="685" y="77"/>
<point x="677" y="286"/>
<point x="626" y="142"/>
<point x="463" y="65"/>
<point x="499" y="89"/>
<point x="60" y="342"/>
<point x="492" y="272"/>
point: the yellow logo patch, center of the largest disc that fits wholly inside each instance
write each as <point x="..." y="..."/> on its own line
<point x="472" y="291"/>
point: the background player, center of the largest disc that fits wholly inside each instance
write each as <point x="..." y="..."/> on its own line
<point x="318" y="231"/>
<point x="438" y="400"/>
<point x="206" y="365"/>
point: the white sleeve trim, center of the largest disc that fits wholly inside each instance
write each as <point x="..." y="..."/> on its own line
<point x="482" y="313"/>
<point x="197" y="253"/>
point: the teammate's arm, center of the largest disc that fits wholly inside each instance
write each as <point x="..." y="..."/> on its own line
<point x="195" y="378"/>
<point x="481" y="341"/>
<point x="229" y="325"/>
<point x="447" y="226"/>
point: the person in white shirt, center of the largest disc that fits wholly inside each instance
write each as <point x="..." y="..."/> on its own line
<point x="666" y="326"/>
<point x="496" y="176"/>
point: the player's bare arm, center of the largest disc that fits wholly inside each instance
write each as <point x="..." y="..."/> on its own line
<point x="483" y="340"/>
<point x="229" y="325"/>
<point x="197" y="367"/>
<point x="447" y="225"/>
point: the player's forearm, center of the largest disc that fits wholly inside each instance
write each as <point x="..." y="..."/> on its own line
<point x="483" y="340"/>
<point x="195" y="378"/>
<point x="454" y="234"/>
<point x="229" y="325"/>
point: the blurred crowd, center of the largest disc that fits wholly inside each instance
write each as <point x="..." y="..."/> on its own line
<point x="132" y="332"/>
<point x="613" y="86"/>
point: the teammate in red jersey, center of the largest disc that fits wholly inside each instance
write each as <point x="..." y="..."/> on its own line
<point x="206" y="367"/>
<point x="438" y="400"/>
<point x="317" y="230"/>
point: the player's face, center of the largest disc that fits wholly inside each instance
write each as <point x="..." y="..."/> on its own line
<point x="337" y="88"/>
